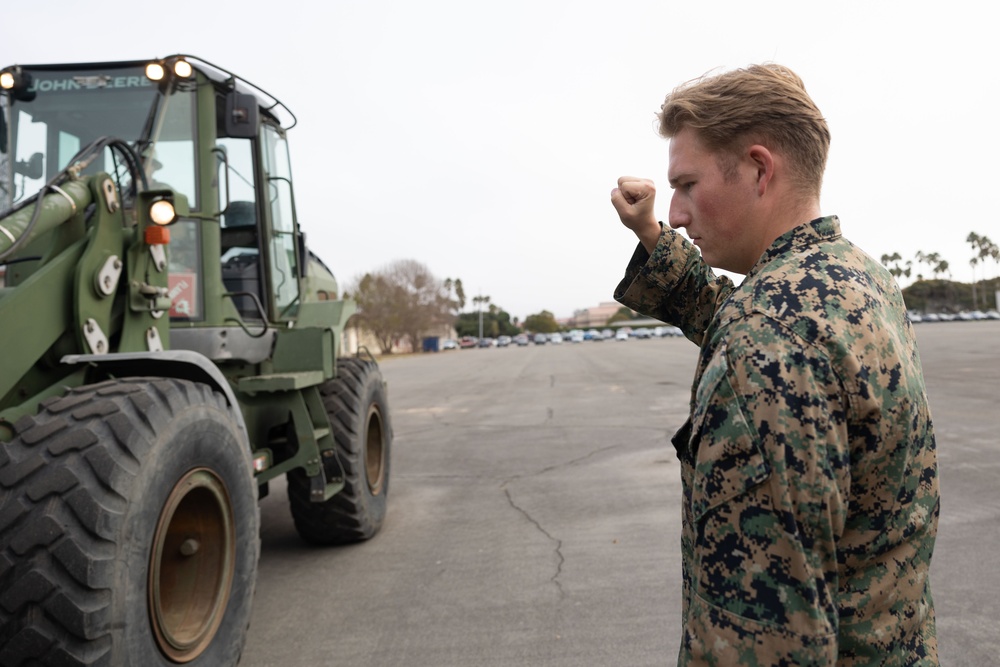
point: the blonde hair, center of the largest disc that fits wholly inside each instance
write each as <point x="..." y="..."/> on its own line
<point x="765" y="104"/>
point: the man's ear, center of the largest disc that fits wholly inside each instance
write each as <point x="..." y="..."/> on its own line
<point x="763" y="161"/>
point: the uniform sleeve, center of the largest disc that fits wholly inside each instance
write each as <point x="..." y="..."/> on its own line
<point x="673" y="285"/>
<point x="768" y="501"/>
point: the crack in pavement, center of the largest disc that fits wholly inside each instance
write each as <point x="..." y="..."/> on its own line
<point x="560" y="559"/>
<point x="550" y="468"/>
<point x="558" y="550"/>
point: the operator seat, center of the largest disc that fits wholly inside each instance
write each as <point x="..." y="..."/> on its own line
<point x="239" y="241"/>
<point x="239" y="225"/>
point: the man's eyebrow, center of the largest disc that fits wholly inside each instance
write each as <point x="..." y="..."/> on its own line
<point x="676" y="180"/>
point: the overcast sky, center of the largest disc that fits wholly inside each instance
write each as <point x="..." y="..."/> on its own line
<point x="483" y="139"/>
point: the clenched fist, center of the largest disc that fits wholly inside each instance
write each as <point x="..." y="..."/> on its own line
<point x="633" y="199"/>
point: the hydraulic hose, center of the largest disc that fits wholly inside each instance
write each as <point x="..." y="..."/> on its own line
<point x="62" y="197"/>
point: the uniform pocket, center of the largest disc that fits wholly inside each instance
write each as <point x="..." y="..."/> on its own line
<point x="749" y="569"/>
<point x="714" y="636"/>
<point x="727" y="457"/>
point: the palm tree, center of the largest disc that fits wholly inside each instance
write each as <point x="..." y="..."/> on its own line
<point x="984" y="248"/>
<point x="941" y="267"/>
<point x="923" y="258"/>
<point x="991" y="250"/>
<point x="893" y="263"/>
<point x="934" y="261"/>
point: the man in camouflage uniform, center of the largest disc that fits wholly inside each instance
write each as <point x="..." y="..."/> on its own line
<point x="808" y="462"/>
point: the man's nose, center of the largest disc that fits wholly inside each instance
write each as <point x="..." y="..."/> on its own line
<point x="678" y="215"/>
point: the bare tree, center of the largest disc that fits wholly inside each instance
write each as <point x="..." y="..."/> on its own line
<point x="403" y="301"/>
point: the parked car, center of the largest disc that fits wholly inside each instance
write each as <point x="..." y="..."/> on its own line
<point x="642" y="333"/>
<point x="466" y="342"/>
<point x="540" y="339"/>
<point x="555" y="338"/>
<point x="521" y="340"/>
<point x="576" y="336"/>
<point x="449" y="344"/>
<point x="486" y="341"/>
<point x="621" y="334"/>
<point x="503" y="341"/>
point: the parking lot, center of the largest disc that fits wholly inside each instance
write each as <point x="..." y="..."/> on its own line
<point x="534" y="514"/>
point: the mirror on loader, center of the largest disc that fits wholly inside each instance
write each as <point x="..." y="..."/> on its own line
<point x="242" y="116"/>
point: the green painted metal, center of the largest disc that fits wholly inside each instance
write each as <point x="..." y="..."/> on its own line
<point x="274" y="382"/>
<point x="56" y="209"/>
<point x="78" y="273"/>
<point x="93" y="307"/>
<point x="34" y="315"/>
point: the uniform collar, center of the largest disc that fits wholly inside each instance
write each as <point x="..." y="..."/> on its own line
<point x="811" y="233"/>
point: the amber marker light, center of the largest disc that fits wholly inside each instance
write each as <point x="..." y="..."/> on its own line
<point x="155" y="72"/>
<point x="157" y="235"/>
<point x="162" y="212"/>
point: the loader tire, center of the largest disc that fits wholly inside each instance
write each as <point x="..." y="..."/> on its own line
<point x="358" y="410"/>
<point x="129" y="529"/>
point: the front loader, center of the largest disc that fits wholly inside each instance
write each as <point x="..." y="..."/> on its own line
<point x="170" y="346"/>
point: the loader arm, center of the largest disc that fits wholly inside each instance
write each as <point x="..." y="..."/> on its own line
<point x="79" y="279"/>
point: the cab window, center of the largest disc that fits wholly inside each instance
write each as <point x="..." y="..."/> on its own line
<point x="282" y="244"/>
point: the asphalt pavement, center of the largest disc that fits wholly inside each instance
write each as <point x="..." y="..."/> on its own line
<point x="534" y="514"/>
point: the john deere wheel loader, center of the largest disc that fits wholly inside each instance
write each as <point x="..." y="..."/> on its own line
<point x="170" y="346"/>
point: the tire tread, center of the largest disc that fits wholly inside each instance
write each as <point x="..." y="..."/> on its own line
<point x="64" y="480"/>
<point x="346" y="517"/>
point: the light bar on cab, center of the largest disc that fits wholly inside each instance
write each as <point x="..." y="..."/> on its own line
<point x="157" y="70"/>
<point x="182" y="68"/>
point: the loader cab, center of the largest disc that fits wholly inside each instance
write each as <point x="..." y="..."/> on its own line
<point x="195" y="129"/>
<point x="259" y="251"/>
<point x="247" y="178"/>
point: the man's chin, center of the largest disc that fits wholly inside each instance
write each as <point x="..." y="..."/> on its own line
<point x="721" y="263"/>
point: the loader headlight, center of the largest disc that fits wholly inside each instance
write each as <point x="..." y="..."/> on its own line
<point x="182" y="68"/>
<point x="155" y="72"/>
<point x="162" y="212"/>
<point x="18" y="82"/>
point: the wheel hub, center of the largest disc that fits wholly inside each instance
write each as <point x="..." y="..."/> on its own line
<point x="375" y="451"/>
<point x="191" y="565"/>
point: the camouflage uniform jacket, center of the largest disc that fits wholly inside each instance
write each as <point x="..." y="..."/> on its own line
<point x="808" y="463"/>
